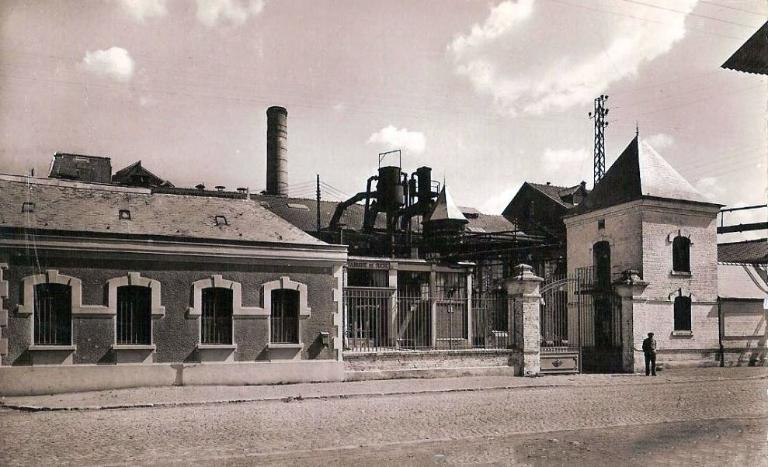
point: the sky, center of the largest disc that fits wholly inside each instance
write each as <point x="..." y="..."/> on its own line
<point x="488" y="93"/>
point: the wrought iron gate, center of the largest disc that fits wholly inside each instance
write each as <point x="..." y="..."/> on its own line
<point x="580" y="324"/>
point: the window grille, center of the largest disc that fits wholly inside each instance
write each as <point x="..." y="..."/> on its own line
<point x="53" y="314"/>
<point x="134" y="315"/>
<point x="682" y="313"/>
<point x="216" y="316"/>
<point x="124" y="214"/>
<point x="284" y="320"/>
<point x="681" y="254"/>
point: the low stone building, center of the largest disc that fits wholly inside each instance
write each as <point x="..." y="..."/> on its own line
<point x="97" y="275"/>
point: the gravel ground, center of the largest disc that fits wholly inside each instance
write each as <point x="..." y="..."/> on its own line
<point x="711" y="422"/>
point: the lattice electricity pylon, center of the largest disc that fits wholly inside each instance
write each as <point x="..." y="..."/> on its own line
<point x="599" y="117"/>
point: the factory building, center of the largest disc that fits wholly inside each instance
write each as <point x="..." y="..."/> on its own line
<point x="126" y="279"/>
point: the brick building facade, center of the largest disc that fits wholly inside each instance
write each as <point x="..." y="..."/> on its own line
<point x="100" y="275"/>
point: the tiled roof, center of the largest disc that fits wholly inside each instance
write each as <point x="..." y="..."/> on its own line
<point x="81" y="167"/>
<point x="742" y="281"/>
<point x="136" y="171"/>
<point x="639" y="172"/>
<point x="70" y="206"/>
<point x="752" y="56"/>
<point x="556" y="193"/>
<point x="750" y="251"/>
<point x="490" y="223"/>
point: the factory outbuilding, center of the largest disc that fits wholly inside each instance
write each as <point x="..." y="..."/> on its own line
<point x="126" y="287"/>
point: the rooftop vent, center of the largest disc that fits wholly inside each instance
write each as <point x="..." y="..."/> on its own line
<point x="242" y="189"/>
<point x="28" y="206"/>
<point x="200" y="187"/>
<point x="219" y="187"/>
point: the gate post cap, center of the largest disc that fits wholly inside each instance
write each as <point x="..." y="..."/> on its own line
<point x="524" y="272"/>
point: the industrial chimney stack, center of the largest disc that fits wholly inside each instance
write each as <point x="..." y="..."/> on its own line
<point x="277" y="151"/>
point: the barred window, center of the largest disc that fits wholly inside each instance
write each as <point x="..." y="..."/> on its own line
<point x="682" y="313"/>
<point x="284" y="319"/>
<point x="681" y="254"/>
<point x="216" y="316"/>
<point x="134" y="315"/>
<point x="53" y="314"/>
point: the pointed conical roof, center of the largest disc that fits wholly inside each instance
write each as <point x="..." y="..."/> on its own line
<point x="445" y="209"/>
<point x="639" y="172"/>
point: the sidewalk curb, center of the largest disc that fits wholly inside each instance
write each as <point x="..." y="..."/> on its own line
<point x="299" y="398"/>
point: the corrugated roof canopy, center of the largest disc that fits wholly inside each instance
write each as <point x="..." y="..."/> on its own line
<point x="749" y="251"/>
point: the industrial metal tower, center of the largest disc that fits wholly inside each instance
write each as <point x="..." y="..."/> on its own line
<point x="599" y="116"/>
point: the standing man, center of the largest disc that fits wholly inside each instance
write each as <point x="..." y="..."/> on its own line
<point x="649" y="349"/>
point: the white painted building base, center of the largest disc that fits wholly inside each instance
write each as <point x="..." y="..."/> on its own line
<point x="56" y="379"/>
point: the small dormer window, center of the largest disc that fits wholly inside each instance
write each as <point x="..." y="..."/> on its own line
<point x="124" y="214"/>
<point x="28" y="206"/>
<point x="221" y="220"/>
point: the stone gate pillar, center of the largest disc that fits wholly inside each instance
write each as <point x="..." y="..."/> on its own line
<point x="524" y="303"/>
<point x="629" y="288"/>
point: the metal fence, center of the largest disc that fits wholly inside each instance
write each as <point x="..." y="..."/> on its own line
<point x="378" y="319"/>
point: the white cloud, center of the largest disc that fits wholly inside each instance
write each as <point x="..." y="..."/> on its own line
<point x="393" y="138"/>
<point x="142" y="9"/>
<point x="501" y="20"/>
<point x="114" y="62"/>
<point x="526" y="62"/>
<point x="235" y="12"/>
<point x="660" y="141"/>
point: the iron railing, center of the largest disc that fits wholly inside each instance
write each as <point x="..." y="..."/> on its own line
<point x="378" y="319"/>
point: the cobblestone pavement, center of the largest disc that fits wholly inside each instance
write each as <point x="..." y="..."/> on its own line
<point x="189" y="395"/>
<point x="691" y="422"/>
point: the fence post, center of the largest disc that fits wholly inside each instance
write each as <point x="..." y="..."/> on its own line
<point x="629" y="288"/>
<point x="523" y="289"/>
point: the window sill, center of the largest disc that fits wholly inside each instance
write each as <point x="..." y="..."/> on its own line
<point x="133" y="347"/>
<point x="682" y="334"/>
<point x="680" y="274"/>
<point x="48" y="348"/>
<point x="285" y="346"/>
<point x="216" y="346"/>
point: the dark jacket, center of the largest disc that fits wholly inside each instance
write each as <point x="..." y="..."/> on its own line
<point x="649" y="345"/>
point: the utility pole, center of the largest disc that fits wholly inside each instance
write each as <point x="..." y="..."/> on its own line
<point x="318" y="203"/>
<point x="599" y="117"/>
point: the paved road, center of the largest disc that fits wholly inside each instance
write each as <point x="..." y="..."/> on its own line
<point x="716" y="423"/>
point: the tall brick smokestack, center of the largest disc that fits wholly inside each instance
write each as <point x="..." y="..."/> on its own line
<point x="277" y="151"/>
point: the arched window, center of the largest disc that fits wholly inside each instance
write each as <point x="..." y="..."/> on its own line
<point x="284" y="319"/>
<point x="681" y="254"/>
<point x="682" y="313"/>
<point x="53" y="314"/>
<point x="601" y="257"/>
<point x="216" y="327"/>
<point x="134" y="315"/>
